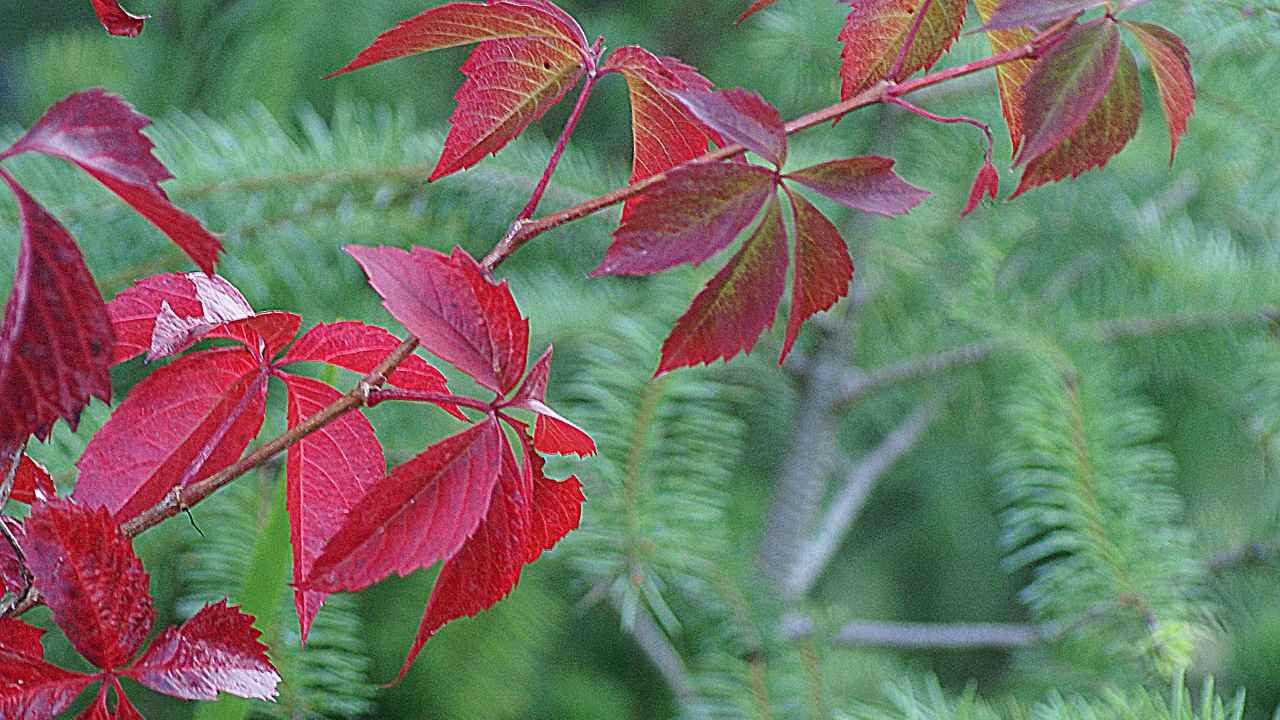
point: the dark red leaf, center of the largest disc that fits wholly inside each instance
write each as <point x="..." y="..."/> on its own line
<point x="182" y="423"/>
<point x="1011" y="77"/>
<point x="1024" y="13"/>
<point x="325" y="474"/>
<point x="554" y="433"/>
<point x="742" y="117"/>
<point x="91" y="580"/>
<point x="30" y="688"/>
<point x="876" y="30"/>
<point x="737" y="305"/>
<point x="198" y="301"/>
<point x="11" y="577"/>
<point x="823" y="269"/>
<point x="55" y="344"/>
<point x="421" y="513"/>
<point x="31" y="482"/>
<point x="457" y="313"/>
<point x="217" y="650"/>
<point x="1171" y="65"/>
<point x="986" y="183"/>
<point x="116" y="20"/>
<point x="863" y="183"/>
<point x="695" y="213"/>
<point x="101" y="134"/>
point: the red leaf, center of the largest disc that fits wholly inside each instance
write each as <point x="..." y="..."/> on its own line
<point x="742" y="117"/>
<point x="823" y="267"/>
<point x="875" y="31"/>
<point x="98" y="710"/>
<point x="448" y="304"/>
<point x="737" y="305"/>
<point x="1171" y="65"/>
<point x="116" y="20"/>
<point x="184" y="306"/>
<point x="91" y="580"/>
<point x="55" y="344"/>
<point x="31" y="482"/>
<point x="182" y="423"/>
<point x="465" y="23"/>
<point x="529" y="514"/>
<point x="1011" y="77"/>
<point x="1113" y="122"/>
<point x="663" y="133"/>
<point x="420" y="513"/>
<point x="325" y="474"/>
<point x="1025" y="13"/>
<point x="554" y="434"/>
<point x="695" y="213"/>
<point x="30" y="688"/>
<point x="264" y="334"/>
<point x="101" y="134"/>
<point x="756" y="7"/>
<point x="863" y="183"/>
<point x="986" y="183"/>
<point x="1066" y="84"/>
<point x="217" y="650"/>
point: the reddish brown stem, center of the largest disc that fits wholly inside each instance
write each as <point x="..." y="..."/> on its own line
<point x="917" y="110"/>
<point x="381" y="395"/>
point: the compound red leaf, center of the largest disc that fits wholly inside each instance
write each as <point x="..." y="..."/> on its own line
<point x="457" y="313"/>
<point x="325" y="474"/>
<point x="55" y="344"/>
<point x="875" y="31"/>
<point x="91" y="580"/>
<point x="465" y="23"/>
<point x="1011" y="77"/>
<point x="192" y="304"/>
<point x="116" y="20"/>
<point x="737" y="305"/>
<point x="554" y="433"/>
<point x="986" y="183"/>
<point x="695" y="213"/>
<point x="1171" y="65"/>
<point x="742" y="117"/>
<point x="1025" y="13"/>
<point x="30" y="688"/>
<point x="420" y="513"/>
<point x="101" y="133"/>
<point x="217" y="650"/>
<point x="1113" y="122"/>
<point x="865" y="183"/>
<point x="1066" y="84"/>
<point x="264" y="334"/>
<point x="31" y="482"/>
<point x="756" y="7"/>
<point x="182" y="423"/>
<point x="823" y="269"/>
<point x="663" y="132"/>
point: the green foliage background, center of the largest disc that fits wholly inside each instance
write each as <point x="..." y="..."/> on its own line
<point x="982" y="521"/>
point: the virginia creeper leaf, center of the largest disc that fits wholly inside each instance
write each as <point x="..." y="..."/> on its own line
<point x="863" y="183"/>
<point x="695" y="213"/>
<point x="217" y="650"/>
<point x="420" y="513"/>
<point x="1066" y="84"/>
<point x="823" y="267"/>
<point x="742" y="117"/>
<point x="326" y="472"/>
<point x="875" y="31"/>
<point x="1011" y="77"/>
<point x="101" y="134"/>
<point x="264" y="334"/>
<point x="91" y="580"/>
<point x="31" y="482"/>
<point x="182" y="423"/>
<point x="98" y="710"/>
<point x="116" y="20"/>
<point x="1113" y="122"/>
<point x="55" y="344"/>
<point x="457" y="313"/>
<point x="30" y="688"/>
<point x="21" y="638"/>
<point x="737" y="305"/>
<point x="987" y="183"/>
<point x="1024" y="13"/>
<point x="1171" y="65"/>
<point x="185" y="306"/>
<point x="554" y="433"/>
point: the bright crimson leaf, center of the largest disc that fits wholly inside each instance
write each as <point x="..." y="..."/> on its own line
<point x="101" y="134"/>
<point x="987" y="183"/>
<point x="165" y="314"/>
<point x="1113" y="122"/>
<point x="21" y="638"/>
<point x="742" y="117"/>
<point x="876" y="30"/>
<point x="1066" y="84"/>
<point x="55" y="344"/>
<point x="182" y="423"/>
<point x="264" y="334"/>
<point x="91" y="580"/>
<point x="420" y="513"/>
<point x="1011" y="77"/>
<point x="1024" y="13"/>
<point x="554" y="433"/>
<point x="116" y="20"/>
<point x="326" y="472"/>
<point x="457" y="313"/>
<point x="737" y="305"/>
<point x="30" y="688"/>
<point x="31" y="482"/>
<point x="863" y="183"/>
<point x="1171" y="65"/>
<point x="695" y="213"/>
<point x="217" y="650"/>
<point x="823" y="267"/>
